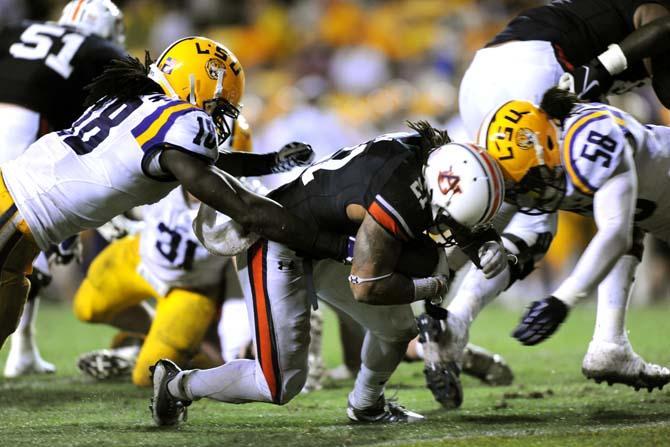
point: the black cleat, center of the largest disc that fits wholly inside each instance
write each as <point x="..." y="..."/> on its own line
<point x="442" y="377"/>
<point x="382" y="412"/>
<point x="166" y="410"/>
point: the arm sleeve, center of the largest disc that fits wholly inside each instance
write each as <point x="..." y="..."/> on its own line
<point x="245" y="164"/>
<point x="614" y="209"/>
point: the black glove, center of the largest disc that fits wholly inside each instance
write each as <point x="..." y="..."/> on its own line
<point x="592" y="81"/>
<point x="292" y="155"/>
<point x="65" y="252"/>
<point x="542" y="318"/>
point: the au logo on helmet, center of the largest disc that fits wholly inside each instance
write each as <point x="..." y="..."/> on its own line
<point x="449" y="182"/>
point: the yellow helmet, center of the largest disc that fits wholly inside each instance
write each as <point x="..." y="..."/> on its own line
<point x="241" y="139"/>
<point x="524" y="141"/>
<point x="204" y="73"/>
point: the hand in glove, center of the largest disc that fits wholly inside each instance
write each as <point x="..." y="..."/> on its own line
<point x="293" y="155"/>
<point x="540" y="321"/>
<point x="492" y="258"/>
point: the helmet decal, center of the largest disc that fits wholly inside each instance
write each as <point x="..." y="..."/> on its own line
<point x="213" y="66"/>
<point x="525" y="138"/>
<point x="168" y="65"/>
<point x="448" y="182"/>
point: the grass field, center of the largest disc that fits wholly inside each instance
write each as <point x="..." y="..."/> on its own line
<point x="67" y="410"/>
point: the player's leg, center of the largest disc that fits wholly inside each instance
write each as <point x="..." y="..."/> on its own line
<point x="388" y="331"/>
<point x="515" y="70"/>
<point x="233" y="327"/>
<point x="17" y="253"/>
<point x="610" y="356"/>
<point x="272" y="280"/>
<point x="180" y="323"/>
<point x="112" y="291"/>
<point x="24" y="356"/>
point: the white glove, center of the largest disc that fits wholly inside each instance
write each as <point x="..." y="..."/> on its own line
<point x="219" y="234"/>
<point x="120" y="226"/>
<point x="492" y="258"/>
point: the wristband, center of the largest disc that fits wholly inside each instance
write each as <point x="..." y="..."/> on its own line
<point x="613" y="59"/>
<point x="427" y="288"/>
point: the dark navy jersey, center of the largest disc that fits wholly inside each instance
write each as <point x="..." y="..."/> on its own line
<point x="579" y="30"/>
<point x="383" y="175"/>
<point x="44" y="67"/>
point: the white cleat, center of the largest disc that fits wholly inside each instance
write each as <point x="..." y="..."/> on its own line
<point x="618" y="363"/>
<point x="21" y="362"/>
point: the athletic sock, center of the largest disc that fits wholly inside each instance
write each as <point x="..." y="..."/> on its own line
<point x="368" y="387"/>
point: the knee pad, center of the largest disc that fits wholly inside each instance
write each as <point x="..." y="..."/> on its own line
<point x="527" y="250"/>
<point x="293" y="383"/>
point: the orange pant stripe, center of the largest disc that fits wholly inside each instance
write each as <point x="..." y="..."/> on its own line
<point x="266" y="345"/>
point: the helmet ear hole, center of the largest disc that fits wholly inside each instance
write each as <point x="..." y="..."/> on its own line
<point x="550" y="143"/>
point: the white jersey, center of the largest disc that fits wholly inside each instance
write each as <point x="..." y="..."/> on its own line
<point x="594" y="139"/>
<point x="105" y="164"/>
<point x="171" y="255"/>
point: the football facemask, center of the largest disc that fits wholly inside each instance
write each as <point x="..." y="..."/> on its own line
<point x="540" y="191"/>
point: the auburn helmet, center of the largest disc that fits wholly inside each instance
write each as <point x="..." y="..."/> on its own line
<point x="464" y="185"/>
<point x="206" y="74"/>
<point x="98" y="17"/>
<point x="524" y="141"/>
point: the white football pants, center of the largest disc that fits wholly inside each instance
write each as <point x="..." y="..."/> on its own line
<point x="274" y="285"/>
<point x="513" y="70"/>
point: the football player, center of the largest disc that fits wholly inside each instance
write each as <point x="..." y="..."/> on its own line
<point x="148" y="130"/>
<point x="418" y="182"/>
<point x="43" y="70"/>
<point x="167" y="262"/>
<point x="606" y="47"/>
<point x="600" y="162"/>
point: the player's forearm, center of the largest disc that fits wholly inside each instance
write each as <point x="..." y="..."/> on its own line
<point x="648" y="40"/>
<point x="594" y="264"/>
<point x="614" y="207"/>
<point x="395" y="289"/>
<point x="243" y="164"/>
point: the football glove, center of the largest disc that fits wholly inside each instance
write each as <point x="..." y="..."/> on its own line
<point x="292" y="155"/>
<point x="541" y="320"/>
<point x="589" y="82"/>
<point x="67" y="251"/>
<point x="493" y="259"/>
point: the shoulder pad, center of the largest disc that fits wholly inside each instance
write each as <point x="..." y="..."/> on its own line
<point x="593" y="145"/>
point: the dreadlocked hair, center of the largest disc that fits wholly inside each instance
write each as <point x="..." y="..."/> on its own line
<point x="430" y="137"/>
<point x="558" y="103"/>
<point x="123" y="79"/>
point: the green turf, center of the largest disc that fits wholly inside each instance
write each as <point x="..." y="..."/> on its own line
<point x="70" y="411"/>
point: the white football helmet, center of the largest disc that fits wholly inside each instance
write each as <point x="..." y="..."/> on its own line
<point x="464" y="184"/>
<point x="99" y="17"/>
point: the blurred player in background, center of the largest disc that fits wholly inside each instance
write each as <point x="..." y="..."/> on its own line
<point x="44" y="68"/>
<point x="393" y="264"/>
<point x="602" y="45"/>
<point x="611" y="167"/>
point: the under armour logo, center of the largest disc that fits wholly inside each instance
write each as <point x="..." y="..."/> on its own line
<point x="286" y="265"/>
<point x="448" y="182"/>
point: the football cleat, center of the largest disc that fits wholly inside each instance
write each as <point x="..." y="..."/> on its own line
<point x="21" y="362"/>
<point x="106" y="364"/>
<point x="618" y="363"/>
<point x="383" y="412"/>
<point x="166" y="410"/>
<point x="441" y="355"/>
<point x="488" y="367"/>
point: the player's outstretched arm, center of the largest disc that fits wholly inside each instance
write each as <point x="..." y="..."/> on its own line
<point x="374" y="278"/>
<point x="255" y="213"/>
<point x="614" y="209"/>
<point x="649" y="42"/>
<point x="244" y="164"/>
